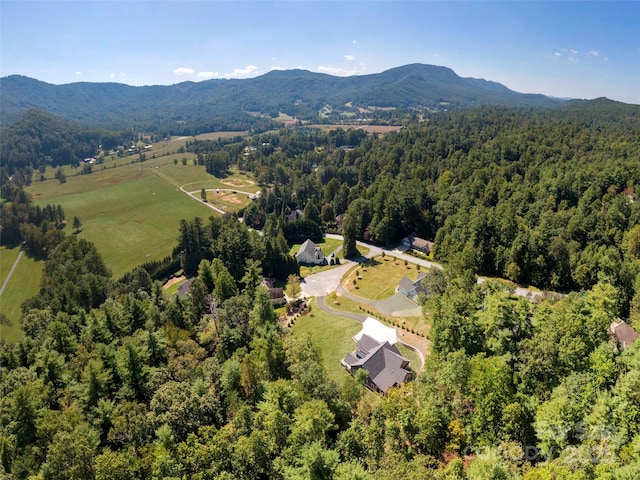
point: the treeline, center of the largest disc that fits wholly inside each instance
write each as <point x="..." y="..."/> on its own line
<point x="40" y="139"/>
<point x="38" y="229"/>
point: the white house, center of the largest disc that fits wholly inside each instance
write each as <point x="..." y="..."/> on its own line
<point x="310" y="253"/>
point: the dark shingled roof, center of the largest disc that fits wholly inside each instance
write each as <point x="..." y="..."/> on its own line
<point x="384" y="362"/>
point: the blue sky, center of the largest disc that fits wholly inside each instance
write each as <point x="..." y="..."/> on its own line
<point x="566" y="49"/>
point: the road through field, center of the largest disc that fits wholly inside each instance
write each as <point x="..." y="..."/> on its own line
<point x="13" y="268"/>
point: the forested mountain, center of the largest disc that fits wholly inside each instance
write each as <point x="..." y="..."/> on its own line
<point x="40" y="138"/>
<point x="225" y="104"/>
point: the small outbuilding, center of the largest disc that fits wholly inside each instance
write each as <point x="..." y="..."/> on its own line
<point x="623" y="333"/>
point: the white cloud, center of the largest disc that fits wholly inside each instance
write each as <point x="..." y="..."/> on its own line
<point x="557" y="54"/>
<point x="78" y="73"/>
<point x="113" y="75"/>
<point x="183" y="71"/>
<point x="207" y="74"/>
<point x="573" y="51"/>
<point x="573" y="60"/>
<point x="593" y="53"/>
<point x="341" y="72"/>
<point x="276" y="68"/>
<point x="349" y="57"/>
<point x="354" y="42"/>
<point x="243" y="72"/>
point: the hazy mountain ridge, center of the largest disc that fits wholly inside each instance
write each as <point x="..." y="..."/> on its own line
<point x="295" y="92"/>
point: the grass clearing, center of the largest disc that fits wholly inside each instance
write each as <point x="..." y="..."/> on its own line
<point x="339" y="302"/>
<point x="379" y="278"/>
<point x="7" y="258"/>
<point x="332" y="336"/>
<point x="132" y="219"/>
<point x="24" y="283"/>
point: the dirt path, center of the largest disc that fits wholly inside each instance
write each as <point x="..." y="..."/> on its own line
<point x="173" y="281"/>
<point x="13" y="268"/>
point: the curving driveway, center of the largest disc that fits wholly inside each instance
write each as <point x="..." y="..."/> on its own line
<point x="323" y="283"/>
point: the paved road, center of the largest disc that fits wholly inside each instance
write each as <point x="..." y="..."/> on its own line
<point x="529" y="294"/>
<point x="13" y="268"/>
<point x="322" y="305"/>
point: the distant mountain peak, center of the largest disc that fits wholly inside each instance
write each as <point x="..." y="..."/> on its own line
<point x="214" y="103"/>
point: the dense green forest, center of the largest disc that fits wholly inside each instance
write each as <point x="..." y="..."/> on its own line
<point x="541" y="197"/>
<point x="41" y="139"/>
<point x="113" y="379"/>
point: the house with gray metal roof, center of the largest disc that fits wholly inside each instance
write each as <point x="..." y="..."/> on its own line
<point x="412" y="288"/>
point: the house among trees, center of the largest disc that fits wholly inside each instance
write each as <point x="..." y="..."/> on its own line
<point x="377" y="354"/>
<point x="275" y="294"/>
<point x="412" y="289"/>
<point x="623" y="333"/>
<point x="340" y="221"/>
<point x="417" y="243"/>
<point x="310" y="253"/>
<point x="296" y="214"/>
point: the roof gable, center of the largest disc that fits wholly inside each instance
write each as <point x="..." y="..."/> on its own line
<point x="624" y="333"/>
<point x="384" y="362"/>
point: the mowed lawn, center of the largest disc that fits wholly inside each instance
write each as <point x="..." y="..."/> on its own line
<point x="24" y="283"/>
<point x="7" y="258"/>
<point x="332" y="336"/>
<point x="380" y="278"/>
<point x="132" y="215"/>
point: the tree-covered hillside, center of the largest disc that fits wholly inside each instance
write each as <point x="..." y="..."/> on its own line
<point x="214" y="105"/>
<point x="116" y="380"/>
<point x="42" y="139"/>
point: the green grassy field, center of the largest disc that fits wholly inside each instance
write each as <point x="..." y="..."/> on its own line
<point x="332" y="336"/>
<point x="380" y="279"/>
<point x="24" y="283"/>
<point x="132" y="213"/>
<point x="7" y="258"/>
<point x="130" y="222"/>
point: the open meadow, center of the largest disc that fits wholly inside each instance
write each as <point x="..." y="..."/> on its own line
<point x="24" y="283"/>
<point x="132" y="212"/>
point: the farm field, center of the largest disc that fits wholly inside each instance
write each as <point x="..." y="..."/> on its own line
<point x="131" y="213"/>
<point x="24" y="283"/>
